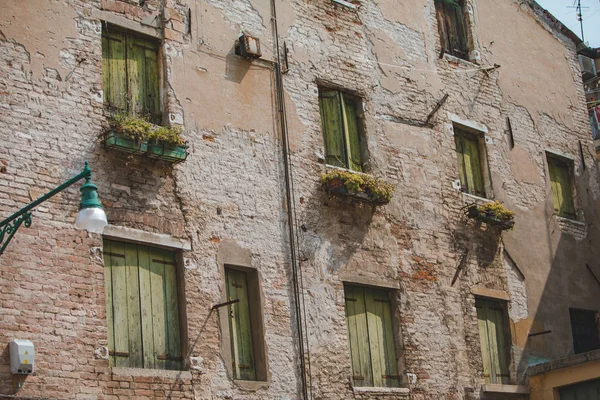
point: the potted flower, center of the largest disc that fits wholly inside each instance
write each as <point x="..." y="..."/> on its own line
<point x="357" y="186"/>
<point x="166" y="144"/>
<point x="128" y="133"/>
<point x="493" y="214"/>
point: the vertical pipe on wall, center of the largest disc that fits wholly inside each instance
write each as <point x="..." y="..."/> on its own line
<point x="291" y="213"/>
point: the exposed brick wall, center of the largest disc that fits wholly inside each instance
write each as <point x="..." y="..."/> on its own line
<point x="231" y="188"/>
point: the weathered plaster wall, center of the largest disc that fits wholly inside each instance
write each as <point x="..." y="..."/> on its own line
<point x="230" y="190"/>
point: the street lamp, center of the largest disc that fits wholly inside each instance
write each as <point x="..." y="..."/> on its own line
<point x="91" y="216"/>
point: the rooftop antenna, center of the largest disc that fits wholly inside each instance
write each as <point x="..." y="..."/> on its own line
<point x="579" y="10"/>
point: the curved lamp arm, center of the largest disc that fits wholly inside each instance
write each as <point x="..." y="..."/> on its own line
<point x="23" y="216"/>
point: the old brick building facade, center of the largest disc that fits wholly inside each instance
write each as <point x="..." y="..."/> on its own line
<point x="514" y="95"/>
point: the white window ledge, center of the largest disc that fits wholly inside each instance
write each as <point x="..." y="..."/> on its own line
<point x="382" y="390"/>
<point x="570" y="221"/>
<point x="473" y="198"/>
<point x="148" y="238"/>
<point x="498" y="388"/>
<point x="345" y="3"/>
<point x="161" y="373"/>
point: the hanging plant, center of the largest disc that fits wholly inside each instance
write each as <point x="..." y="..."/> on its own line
<point x="356" y="186"/>
<point x="493" y="214"/>
<point x="134" y="134"/>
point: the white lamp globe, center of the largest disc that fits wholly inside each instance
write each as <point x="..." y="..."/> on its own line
<point x="91" y="219"/>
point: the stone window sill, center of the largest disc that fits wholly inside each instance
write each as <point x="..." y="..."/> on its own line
<point x="251" y="385"/>
<point x="566" y="220"/>
<point x="467" y="197"/>
<point x="461" y="61"/>
<point x="345" y="3"/>
<point x="159" y="373"/>
<point x="382" y="390"/>
<point x="507" y="389"/>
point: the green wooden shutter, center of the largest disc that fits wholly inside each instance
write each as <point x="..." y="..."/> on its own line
<point x="331" y="123"/>
<point x="356" y="322"/>
<point x="114" y="75"/>
<point x="371" y="337"/>
<point x="240" y="329"/>
<point x="381" y="338"/>
<point x="469" y="163"/>
<point x="351" y="133"/>
<point x="142" y="306"/>
<point x="142" y="73"/>
<point x="561" y="188"/>
<point x="492" y="336"/>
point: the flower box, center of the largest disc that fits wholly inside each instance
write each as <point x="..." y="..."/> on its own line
<point x="357" y="187"/>
<point x="166" y="152"/>
<point x="121" y="142"/>
<point x="502" y="220"/>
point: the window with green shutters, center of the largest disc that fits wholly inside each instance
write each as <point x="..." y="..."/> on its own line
<point x="142" y="306"/>
<point x="371" y="337"/>
<point x="341" y="129"/>
<point x="470" y="166"/>
<point x="130" y="78"/>
<point x="494" y="339"/>
<point x="452" y="27"/>
<point x="560" y="181"/>
<point x="240" y="326"/>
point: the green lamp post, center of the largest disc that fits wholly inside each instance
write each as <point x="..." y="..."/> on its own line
<point x="91" y="216"/>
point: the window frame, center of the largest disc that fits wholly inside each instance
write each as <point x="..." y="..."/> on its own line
<point x="256" y="303"/>
<point x="355" y="102"/>
<point x="444" y="17"/>
<point x="393" y="380"/>
<point x="556" y="161"/>
<point x="485" y="191"/>
<point x="165" y="256"/>
<point x="578" y="347"/>
<point x="482" y="306"/>
<point x="138" y="41"/>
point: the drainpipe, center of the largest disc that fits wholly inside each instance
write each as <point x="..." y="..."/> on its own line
<point x="289" y="192"/>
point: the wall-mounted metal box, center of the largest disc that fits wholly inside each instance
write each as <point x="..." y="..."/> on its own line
<point x="21" y="356"/>
<point x="249" y="46"/>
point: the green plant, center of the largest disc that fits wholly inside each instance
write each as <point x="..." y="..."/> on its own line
<point x="139" y="128"/>
<point x="375" y="188"/>
<point x="171" y="136"/>
<point x="131" y="126"/>
<point x="498" y="210"/>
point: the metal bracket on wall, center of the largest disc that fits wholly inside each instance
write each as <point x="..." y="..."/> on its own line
<point x="460" y="266"/>
<point x="227" y="303"/>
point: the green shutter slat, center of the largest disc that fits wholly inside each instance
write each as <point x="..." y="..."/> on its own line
<point x="331" y="123"/>
<point x="152" y="104"/>
<point x="469" y="163"/>
<point x="356" y="322"/>
<point x="133" y="306"/>
<point x="172" y="312"/>
<point x="492" y="337"/>
<point x="159" y="320"/>
<point x="120" y="309"/>
<point x="560" y="182"/>
<point x="383" y="354"/>
<point x="240" y="325"/>
<point x="352" y="134"/>
<point x="144" y="260"/>
<point x="108" y="296"/>
<point x="460" y="151"/>
<point x="114" y="77"/>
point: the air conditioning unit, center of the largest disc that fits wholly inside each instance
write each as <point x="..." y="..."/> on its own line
<point x="588" y="67"/>
<point x="248" y="46"/>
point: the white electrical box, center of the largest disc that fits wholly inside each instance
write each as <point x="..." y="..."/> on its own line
<point x="21" y="356"/>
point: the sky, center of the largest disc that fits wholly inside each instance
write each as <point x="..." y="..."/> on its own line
<point x="568" y="16"/>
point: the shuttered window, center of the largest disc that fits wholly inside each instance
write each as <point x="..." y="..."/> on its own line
<point x="470" y="165"/>
<point x="240" y="328"/>
<point x="560" y="181"/>
<point x="452" y="27"/>
<point x="341" y="132"/>
<point x="130" y="73"/>
<point x="371" y="336"/>
<point x="142" y="306"/>
<point x="585" y="330"/>
<point x="494" y="340"/>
